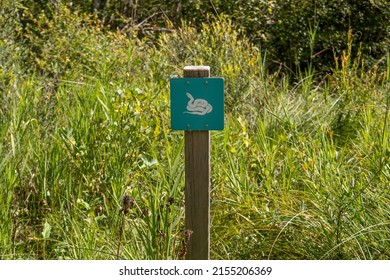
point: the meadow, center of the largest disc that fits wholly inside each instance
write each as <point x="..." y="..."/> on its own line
<point x="301" y="170"/>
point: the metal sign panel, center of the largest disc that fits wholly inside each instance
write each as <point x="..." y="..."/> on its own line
<point x="197" y="103"/>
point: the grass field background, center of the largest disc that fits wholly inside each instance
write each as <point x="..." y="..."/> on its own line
<point x="301" y="170"/>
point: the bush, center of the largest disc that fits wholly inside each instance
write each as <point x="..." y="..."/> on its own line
<point x="295" y="33"/>
<point x="293" y="23"/>
<point x="59" y="41"/>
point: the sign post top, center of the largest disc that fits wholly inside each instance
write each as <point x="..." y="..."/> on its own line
<point x="196" y="71"/>
<point x="196" y="68"/>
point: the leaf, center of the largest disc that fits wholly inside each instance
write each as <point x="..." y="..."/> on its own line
<point x="46" y="230"/>
<point x="83" y="203"/>
<point x="148" y="163"/>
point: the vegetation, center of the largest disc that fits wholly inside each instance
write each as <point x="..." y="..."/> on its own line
<point x="284" y="28"/>
<point x="89" y="168"/>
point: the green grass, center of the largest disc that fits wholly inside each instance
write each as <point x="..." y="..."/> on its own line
<point x="301" y="170"/>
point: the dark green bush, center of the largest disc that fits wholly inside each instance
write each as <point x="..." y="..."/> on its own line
<point x="295" y="33"/>
<point x="290" y="37"/>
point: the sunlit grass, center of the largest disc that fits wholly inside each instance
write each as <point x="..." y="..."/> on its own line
<point x="301" y="170"/>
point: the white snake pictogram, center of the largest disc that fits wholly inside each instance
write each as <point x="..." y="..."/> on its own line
<point x="198" y="106"/>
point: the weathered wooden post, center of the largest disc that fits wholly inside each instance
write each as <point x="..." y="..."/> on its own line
<point x="197" y="183"/>
<point x="197" y="107"/>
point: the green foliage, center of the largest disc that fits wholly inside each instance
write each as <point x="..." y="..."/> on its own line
<point x="55" y="40"/>
<point x="301" y="170"/>
<point x="295" y="33"/>
<point x="355" y="87"/>
<point x="282" y="27"/>
<point x="292" y="21"/>
<point x="286" y="188"/>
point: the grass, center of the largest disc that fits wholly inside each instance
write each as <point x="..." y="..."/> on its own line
<point x="301" y="170"/>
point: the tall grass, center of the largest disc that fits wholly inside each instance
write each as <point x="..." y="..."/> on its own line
<point x="301" y="170"/>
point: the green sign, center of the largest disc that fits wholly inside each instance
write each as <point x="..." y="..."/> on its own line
<point x="197" y="103"/>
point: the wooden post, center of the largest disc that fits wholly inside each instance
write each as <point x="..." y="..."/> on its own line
<point x="197" y="183"/>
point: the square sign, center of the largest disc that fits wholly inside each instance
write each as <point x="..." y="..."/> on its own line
<point x="197" y="103"/>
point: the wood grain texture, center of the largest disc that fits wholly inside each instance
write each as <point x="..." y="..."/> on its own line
<point x="197" y="183"/>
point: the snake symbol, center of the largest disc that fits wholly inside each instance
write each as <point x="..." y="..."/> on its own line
<point x="197" y="106"/>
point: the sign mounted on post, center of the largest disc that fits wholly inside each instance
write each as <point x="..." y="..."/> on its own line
<point x="197" y="103"/>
